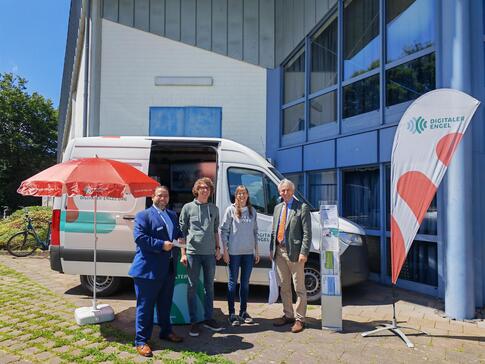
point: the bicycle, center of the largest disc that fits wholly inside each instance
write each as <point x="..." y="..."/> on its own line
<point x="24" y="243"/>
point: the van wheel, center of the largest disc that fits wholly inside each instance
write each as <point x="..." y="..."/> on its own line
<point x="312" y="282"/>
<point x="105" y="285"/>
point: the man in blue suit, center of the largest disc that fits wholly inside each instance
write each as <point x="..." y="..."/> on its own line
<point x="154" y="268"/>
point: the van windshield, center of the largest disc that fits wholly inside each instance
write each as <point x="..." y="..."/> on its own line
<point x="298" y="195"/>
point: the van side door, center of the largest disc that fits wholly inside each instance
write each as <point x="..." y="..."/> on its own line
<point x="263" y="194"/>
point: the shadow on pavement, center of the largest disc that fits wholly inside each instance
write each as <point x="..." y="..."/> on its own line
<point x="371" y="294"/>
<point x="208" y="342"/>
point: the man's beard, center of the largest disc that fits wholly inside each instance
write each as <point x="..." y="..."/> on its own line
<point x="160" y="206"/>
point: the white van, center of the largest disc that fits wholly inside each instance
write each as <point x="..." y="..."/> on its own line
<point x="177" y="163"/>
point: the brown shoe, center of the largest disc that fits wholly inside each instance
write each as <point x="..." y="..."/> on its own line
<point x="173" y="337"/>
<point x="281" y="321"/>
<point x="297" y="327"/>
<point x="144" y="350"/>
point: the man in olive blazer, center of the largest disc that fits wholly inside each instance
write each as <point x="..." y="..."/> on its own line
<point x="291" y="236"/>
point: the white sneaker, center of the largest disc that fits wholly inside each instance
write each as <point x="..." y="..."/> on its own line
<point x="212" y="325"/>
<point x="234" y="320"/>
<point x="246" y="318"/>
<point x="194" y="330"/>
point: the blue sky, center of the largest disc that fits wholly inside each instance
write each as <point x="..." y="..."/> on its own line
<point x="33" y="41"/>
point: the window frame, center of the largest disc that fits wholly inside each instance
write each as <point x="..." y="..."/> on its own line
<point x="265" y="179"/>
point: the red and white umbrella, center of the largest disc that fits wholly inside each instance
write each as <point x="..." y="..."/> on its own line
<point x="93" y="177"/>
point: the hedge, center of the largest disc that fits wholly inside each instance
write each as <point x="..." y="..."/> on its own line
<point x="40" y="215"/>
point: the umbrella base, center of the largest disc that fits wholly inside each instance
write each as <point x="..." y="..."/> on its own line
<point x="89" y="316"/>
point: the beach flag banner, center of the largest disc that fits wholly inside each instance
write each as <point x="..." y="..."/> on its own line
<point x="331" y="296"/>
<point x="426" y="139"/>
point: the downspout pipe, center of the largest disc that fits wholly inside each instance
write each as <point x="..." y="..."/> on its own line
<point x="74" y="75"/>
<point x="87" y="21"/>
<point x="458" y="214"/>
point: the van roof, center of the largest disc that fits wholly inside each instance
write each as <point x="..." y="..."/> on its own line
<point x="141" y="141"/>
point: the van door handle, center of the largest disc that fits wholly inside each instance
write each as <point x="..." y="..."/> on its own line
<point x="128" y="217"/>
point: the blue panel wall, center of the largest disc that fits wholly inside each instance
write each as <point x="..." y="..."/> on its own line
<point x="203" y="121"/>
<point x="319" y="155"/>
<point x="357" y="149"/>
<point x="190" y="121"/>
<point x="290" y="160"/>
<point x="166" y="121"/>
<point x="386" y="138"/>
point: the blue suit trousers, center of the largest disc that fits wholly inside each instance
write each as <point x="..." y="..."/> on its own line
<point x="151" y="292"/>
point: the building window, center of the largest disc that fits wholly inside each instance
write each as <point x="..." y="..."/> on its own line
<point x="421" y="264"/>
<point x="293" y="119"/>
<point x="361" y="197"/>
<point x="410" y="27"/>
<point x="294" y="77"/>
<point x="297" y="179"/>
<point x="322" y="187"/>
<point x="410" y="80"/>
<point x="324" y="56"/>
<point x="361" y="96"/>
<point x="361" y="37"/>
<point x="429" y="225"/>
<point x="374" y="253"/>
<point x="323" y="109"/>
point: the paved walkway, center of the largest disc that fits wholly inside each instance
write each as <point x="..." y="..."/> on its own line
<point x="365" y="306"/>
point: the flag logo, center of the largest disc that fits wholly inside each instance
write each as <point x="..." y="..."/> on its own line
<point x="417" y="125"/>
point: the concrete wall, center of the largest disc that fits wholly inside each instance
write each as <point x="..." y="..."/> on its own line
<point x="130" y="61"/>
<point x="241" y="29"/>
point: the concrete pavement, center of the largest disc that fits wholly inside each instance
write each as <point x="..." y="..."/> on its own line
<point x="365" y="306"/>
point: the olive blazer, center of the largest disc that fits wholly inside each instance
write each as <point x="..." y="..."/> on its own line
<point x="298" y="230"/>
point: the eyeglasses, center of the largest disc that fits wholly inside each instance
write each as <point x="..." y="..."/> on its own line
<point x="203" y="188"/>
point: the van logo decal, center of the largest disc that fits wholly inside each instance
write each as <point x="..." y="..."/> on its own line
<point x="105" y="222"/>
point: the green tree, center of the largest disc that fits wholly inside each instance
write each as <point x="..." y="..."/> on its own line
<point x="28" y="137"/>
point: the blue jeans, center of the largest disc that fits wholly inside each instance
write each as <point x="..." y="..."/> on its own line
<point x="245" y="262"/>
<point x="208" y="265"/>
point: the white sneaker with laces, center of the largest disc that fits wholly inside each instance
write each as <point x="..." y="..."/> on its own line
<point x="234" y="320"/>
<point x="246" y="318"/>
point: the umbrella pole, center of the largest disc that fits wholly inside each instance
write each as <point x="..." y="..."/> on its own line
<point x="95" y="245"/>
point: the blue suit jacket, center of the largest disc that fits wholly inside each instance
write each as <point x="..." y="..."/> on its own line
<point x="150" y="233"/>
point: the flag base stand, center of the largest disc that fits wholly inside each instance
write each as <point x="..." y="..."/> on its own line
<point x="91" y="315"/>
<point x="393" y="326"/>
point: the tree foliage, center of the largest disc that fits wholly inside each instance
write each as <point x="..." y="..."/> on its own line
<point x="28" y="137"/>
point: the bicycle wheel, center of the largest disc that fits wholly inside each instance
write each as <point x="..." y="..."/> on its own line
<point x="22" y="244"/>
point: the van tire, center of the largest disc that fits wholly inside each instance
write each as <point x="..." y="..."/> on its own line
<point x="312" y="281"/>
<point x="107" y="285"/>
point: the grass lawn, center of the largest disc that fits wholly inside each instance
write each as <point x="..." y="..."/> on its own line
<point x="37" y="325"/>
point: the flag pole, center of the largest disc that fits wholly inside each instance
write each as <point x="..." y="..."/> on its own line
<point x="95" y="246"/>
